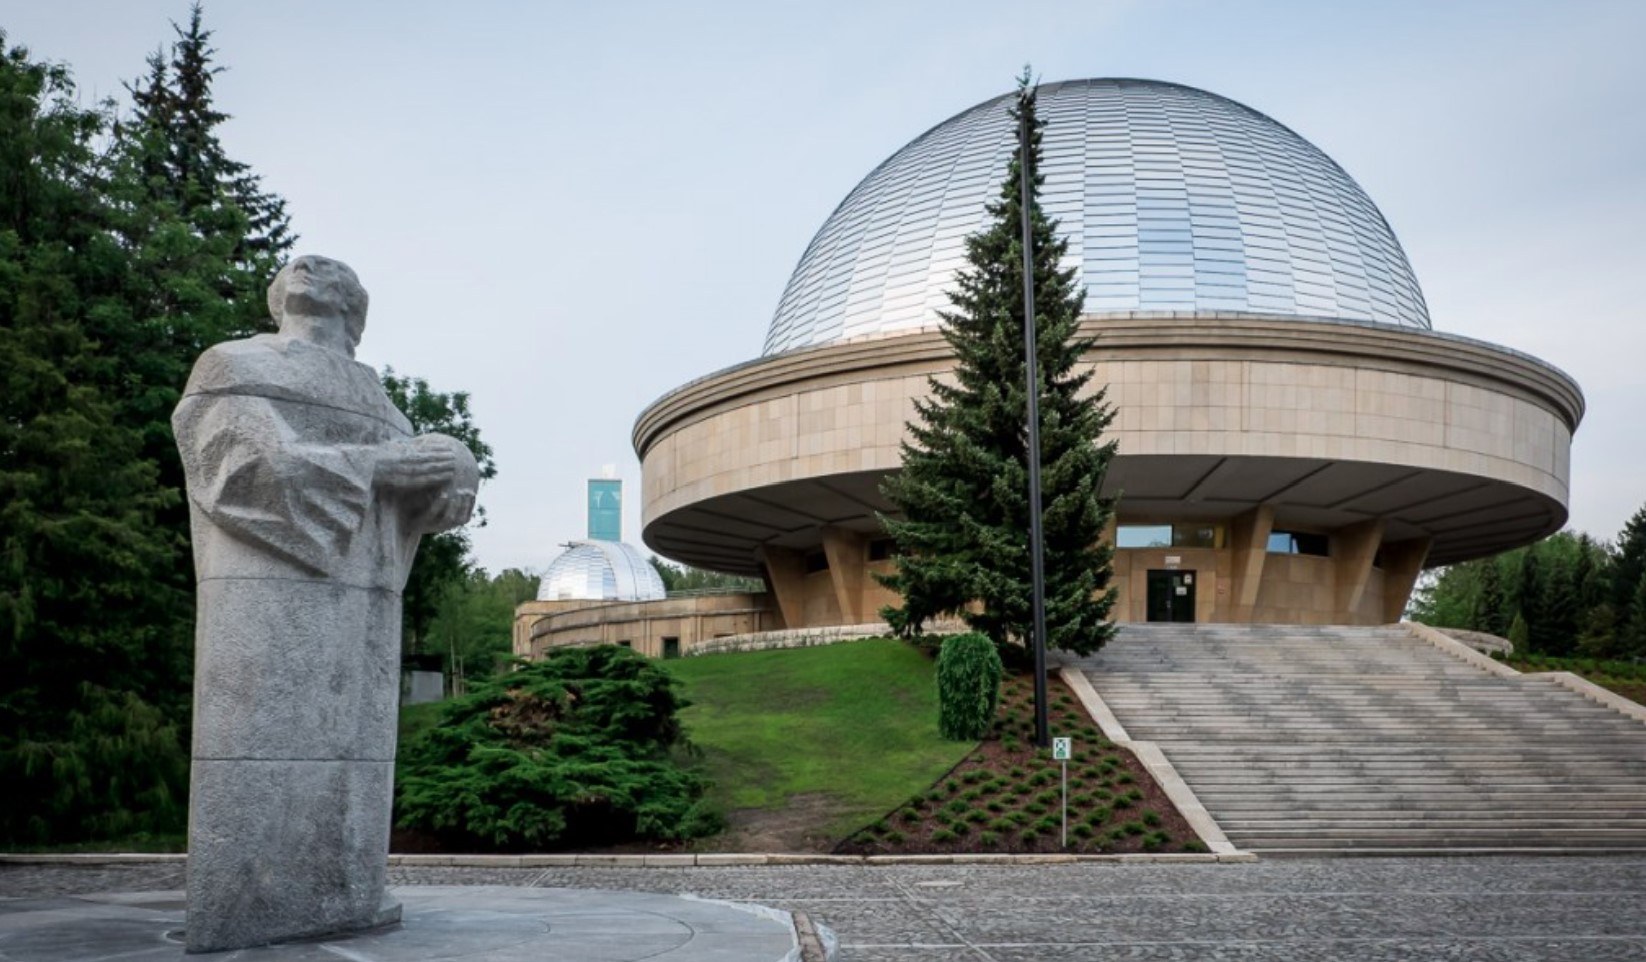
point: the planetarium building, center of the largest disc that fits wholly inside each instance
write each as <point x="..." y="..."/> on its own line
<point x="1296" y="443"/>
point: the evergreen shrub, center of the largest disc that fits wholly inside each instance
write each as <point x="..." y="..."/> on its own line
<point x="968" y="686"/>
<point x="581" y="748"/>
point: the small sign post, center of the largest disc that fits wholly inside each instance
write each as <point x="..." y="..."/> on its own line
<point x="1062" y="748"/>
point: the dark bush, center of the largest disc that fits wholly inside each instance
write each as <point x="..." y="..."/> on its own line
<point x="581" y="748"/>
<point x="968" y="686"/>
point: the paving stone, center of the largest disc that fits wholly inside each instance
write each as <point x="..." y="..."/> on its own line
<point x="1514" y="909"/>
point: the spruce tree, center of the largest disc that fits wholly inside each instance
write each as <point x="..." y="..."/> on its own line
<point x="220" y="196"/>
<point x="1519" y="636"/>
<point x="126" y="249"/>
<point x="92" y="744"/>
<point x="962" y="495"/>
<point x="1631" y="629"/>
<point x="1491" y="613"/>
<point x="195" y="273"/>
<point x="1597" y="619"/>
<point x="1629" y="564"/>
<point x="1561" y="617"/>
<point x="1530" y="598"/>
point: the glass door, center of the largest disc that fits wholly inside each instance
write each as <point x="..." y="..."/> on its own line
<point x="1171" y="596"/>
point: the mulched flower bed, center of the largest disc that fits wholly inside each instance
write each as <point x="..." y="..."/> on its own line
<point x="1006" y="797"/>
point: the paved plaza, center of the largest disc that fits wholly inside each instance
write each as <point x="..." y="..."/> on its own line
<point x="1486" y="908"/>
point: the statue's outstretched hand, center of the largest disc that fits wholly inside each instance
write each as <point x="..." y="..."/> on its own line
<point x="445" y="512"/>
<point x="412" y="467"/>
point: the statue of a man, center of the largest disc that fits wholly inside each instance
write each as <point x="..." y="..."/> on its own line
<point x="307" y="494"/>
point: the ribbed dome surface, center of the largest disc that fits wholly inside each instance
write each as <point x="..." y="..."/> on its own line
<point x="600" y="571"/>
<point x="1172" y="198"/>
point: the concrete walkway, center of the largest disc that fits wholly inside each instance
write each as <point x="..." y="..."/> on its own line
<point x="487" y="923"/>
<point x="1373" y="909"/>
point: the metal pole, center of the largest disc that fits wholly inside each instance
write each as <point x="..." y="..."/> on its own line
<point x="1037" y="573"/>
<point x="1065" y="803"/>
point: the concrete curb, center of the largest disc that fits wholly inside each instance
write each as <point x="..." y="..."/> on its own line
<point x="1158" y="766"/>
<point x="1565" y="679"/>
<point x="1593" y="692"/>
<point x="685" y="860"/>
<point x="1458" y="649"/>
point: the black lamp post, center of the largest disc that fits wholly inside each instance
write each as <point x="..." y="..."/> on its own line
<point x="1037" y="570"/>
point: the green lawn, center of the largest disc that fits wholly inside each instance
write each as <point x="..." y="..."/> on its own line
<point x="833" y="736"/>
<point x="417" y="719"/>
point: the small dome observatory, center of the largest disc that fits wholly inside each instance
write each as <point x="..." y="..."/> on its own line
<point x="600" y="571"/>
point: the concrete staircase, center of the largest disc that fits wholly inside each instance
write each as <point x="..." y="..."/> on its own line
<point x="1306" y="740"/>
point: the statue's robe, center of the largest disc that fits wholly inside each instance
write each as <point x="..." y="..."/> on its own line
<point x="300" y="563"/>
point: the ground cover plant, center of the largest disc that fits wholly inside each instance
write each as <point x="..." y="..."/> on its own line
<point x="1626" y="678"/>
<point x="581" y="748"/>
<point x="1005" y="795"/>
<point x="805" y="745"/>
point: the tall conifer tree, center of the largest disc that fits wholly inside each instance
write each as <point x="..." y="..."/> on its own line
<point x="120" y="266"/>
<point x="962" y="496"/>
<point x="1530" y="597"/>
<point x="1629" y="564"/>
<point x="203" y="241"/>
<point x="1559" y="630"/>
<point x="1491" y="611"/>
<point x="1631" y="625"/>
<point x="217" y="194"/>
<point x="91" y="742"/>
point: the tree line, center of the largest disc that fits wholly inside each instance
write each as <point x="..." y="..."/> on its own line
<point x="1567" y="595"/>
<point x="130" y="241"/>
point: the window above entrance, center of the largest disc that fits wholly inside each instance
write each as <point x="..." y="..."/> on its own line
<point x="1194" y="535"/>
<point x="1298" y="542"/>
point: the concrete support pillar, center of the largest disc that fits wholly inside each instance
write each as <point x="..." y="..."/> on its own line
<point x="1353" y="550"/>
<point x="785" y="572"/>
<point x="1402" y="563"/>
<point x="848" y="554"/>
<point x="1248" y="548"/>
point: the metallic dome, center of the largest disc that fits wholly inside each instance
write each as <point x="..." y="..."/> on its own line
<point x="1172" y="198"/>
<point x="600" y="571"/>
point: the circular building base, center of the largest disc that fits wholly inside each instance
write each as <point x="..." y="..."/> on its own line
<point x="491" y="923"/>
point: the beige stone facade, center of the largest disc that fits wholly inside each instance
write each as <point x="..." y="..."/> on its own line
<point x="670" y="627"/>
<point x="1388" y="449"/>
<point x="1403" y="447"/>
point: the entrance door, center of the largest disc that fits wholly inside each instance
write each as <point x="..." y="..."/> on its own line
<point x="671" y="647"/>
<point x="1171" y="595"/>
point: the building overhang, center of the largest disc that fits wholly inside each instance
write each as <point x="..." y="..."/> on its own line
<point x="1329" y="423"/>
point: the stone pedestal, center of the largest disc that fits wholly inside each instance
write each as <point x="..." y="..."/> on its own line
<point x="293" y="775"/>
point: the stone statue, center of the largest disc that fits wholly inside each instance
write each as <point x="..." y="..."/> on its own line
<point x="307" y="495"/>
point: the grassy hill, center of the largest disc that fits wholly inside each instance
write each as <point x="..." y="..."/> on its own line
<point x="806" y="745"/>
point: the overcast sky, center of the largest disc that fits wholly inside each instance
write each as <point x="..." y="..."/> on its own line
<point x="569" y="209"/>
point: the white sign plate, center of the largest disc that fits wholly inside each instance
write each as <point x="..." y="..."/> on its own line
<point x="1062" y="748"/>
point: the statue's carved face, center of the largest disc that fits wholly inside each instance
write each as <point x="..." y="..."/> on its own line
<point x="320" y="286"/>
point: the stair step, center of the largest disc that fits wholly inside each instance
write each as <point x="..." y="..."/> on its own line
<point x="1343" y="740"/>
